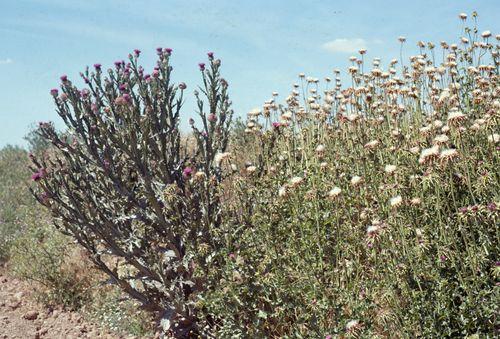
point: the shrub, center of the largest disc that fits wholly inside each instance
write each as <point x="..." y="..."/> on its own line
<point x="15" y="200"/>
<point x="125" y="189"/>
<point x="45" y="257"/>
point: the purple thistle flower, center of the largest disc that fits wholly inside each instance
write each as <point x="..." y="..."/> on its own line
<point x="54" y="92"/>
<point x="122" y="87"/>
<point x="159" y="49"/>
<point x="137" y="52"/>
<point x="146" y="76"/>
<point x="38" y="175"/>
<point x="156" y="73"/>
<point x="492" y="206"/>
<point x="64" y="78"/>
<point x="118" y="64"/>
<point x="463" y="209"/>
<point x="182" y="85"/>
<point x="84" y="93"/>
<point x="202" y="66"/>
<point x="212" y="117"/>
<point x="187" y="172"/>
<point x="232" y="256"/>
<point x="442" y="258"/>
<point x="276" y="124"/>
<point x="168" y="50"/>
<point x="97" y="67"/>
<point x="126" y="97"/>
<point x="210" y="55"/>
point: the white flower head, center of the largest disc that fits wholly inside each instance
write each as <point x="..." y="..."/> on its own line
<point x="494" y="138"/>
<point x="428" y="154"/>
<point x="334" y="192"/>
<point x="396" y="201"/>
<point x="296" y="181"/>
<point x="390" y="169"/>
<point x="356" y="180"/>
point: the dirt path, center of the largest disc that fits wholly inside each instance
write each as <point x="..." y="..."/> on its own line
<point x="21" y="317"/>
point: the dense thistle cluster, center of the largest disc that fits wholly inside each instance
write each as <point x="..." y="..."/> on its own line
<point x="372" y="207"/>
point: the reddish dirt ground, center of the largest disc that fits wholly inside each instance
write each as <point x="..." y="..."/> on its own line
<point x="23" y="318"/>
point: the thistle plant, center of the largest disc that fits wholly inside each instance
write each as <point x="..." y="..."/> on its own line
<point x="123" y="185"/>
<point x="371" y="210"/>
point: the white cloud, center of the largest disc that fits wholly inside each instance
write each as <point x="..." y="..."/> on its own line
<point x="345" y="45"/>
<point x="6" y="61"/>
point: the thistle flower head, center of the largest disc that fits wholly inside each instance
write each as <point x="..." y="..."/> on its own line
<point x="334" y="192"/>
<point x="390" y="169"/>
<point x="396" y="201"/>
<point x="296" y="181"/>
<point x="428" y="154"/>
<point x="356" y="180"/>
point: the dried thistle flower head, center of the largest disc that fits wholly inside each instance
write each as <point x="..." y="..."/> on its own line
<point x="428" y="154"/>
<point x="396" y="201"/>
<point x="448" y="154"/>
<point x="441" y="139"/>
<point x="372" y="144"/>
<point x="415" y="201"/>
<point x="486" y="34"/>
<point x="494" y="138"/>
<point x="390" y="169"/>
<point x="356" y="180"/>
<point x="455" y="117"/>
<point x="251" y="169"/>
<point x="296" y="181"/>
<point x="334" y="192"/>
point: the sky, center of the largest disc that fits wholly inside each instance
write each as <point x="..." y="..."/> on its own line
<point x="263" y="45"/>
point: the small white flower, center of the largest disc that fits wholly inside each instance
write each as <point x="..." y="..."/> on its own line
<point x="356" y="180"/>
<point x="415" y="150"/>
<point x="396" y="201"/>
<point x="428" y="154"/>
<point x="441" y="139"/>
<point x="254" y="112"/>
<point x="372" y="144"/>
<point x="390" y="169"/>
<point x="352" y="325"/>
<point x="495" y="138"/>
<point x="372" y="229"/>
<point x="415" y="201"/>
<point x="296" y="181"/>
<point x="486" y="34"/>
<point x="219" y="157"/>
<point x="455" y="117"/>
<point x="448" y="154"/>
<point x="251" y="169"/>
<point x="334" y="192"/>
<point x="282" y="191"/>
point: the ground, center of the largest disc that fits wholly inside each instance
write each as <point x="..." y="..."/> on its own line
<point x="21" y="317"/>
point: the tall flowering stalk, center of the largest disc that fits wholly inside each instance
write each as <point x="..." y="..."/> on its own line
<point x="120" y="182"/>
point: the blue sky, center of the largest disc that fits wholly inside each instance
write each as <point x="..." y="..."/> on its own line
<point x="263" y="44"/>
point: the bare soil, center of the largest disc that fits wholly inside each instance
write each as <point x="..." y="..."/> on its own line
<point x="22" y="317"/>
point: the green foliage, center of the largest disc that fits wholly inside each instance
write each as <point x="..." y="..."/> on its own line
<point x="119" y="314"/>
<point x="15" y="199"/>
<point x="45" y="256"/>
<point x="36" y="144"/>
